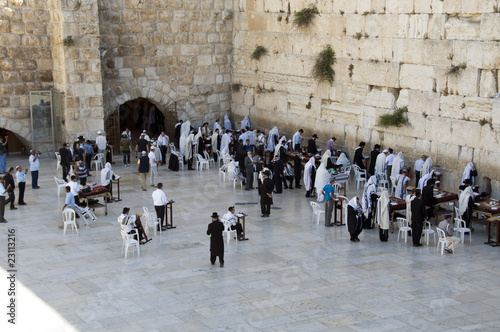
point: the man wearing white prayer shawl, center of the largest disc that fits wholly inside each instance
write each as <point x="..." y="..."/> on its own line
<point x="401" y="184"/>
<point x="369" y="199"/>
<point x="182" y="143"/>
<point x="423" y="180"/>
<point x="466" y="205"/>
<point x="309" y="176"/>
<point x="383" y="215"/>
<point x="322" y="176"/>
<point x="185" y="127"/>
<point x="354" y="219"/>
<point x="273" y="135"/>
<point x="277" y="150"/>
<point x="245" y="123"/>
<point x="343" y="160"/>
<point x="397" y="165"/>
<point x="225" y="140"/>
<point x="189" y="151"/>
<point x="214" y="141"/>
<point x="426" y="167"/>
<point x="227" y="122"/>
<point x="380" y="165"/>
<point x="408" y="200"/>
<point x="217" y="126"/>
<point x="469" y="173"/>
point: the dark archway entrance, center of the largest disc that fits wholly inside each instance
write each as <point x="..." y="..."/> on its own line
<point x="138" y="115"/>
<point x="14" y="144"/>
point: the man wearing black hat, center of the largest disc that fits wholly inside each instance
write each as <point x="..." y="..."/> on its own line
<point x="266" y="194"/>
<point x="373" y="158"/>
<point x="358" y="155"/>
<point x="311" y="145"/>
<point x="215" y="229"/>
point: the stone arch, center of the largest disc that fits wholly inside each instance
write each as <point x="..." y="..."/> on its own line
<point x="21" y="128"/>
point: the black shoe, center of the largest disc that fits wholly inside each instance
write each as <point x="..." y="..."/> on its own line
<point x="213" y="263"/>
<point x="247" y="189"/>
<point x="13" y="208"/>
<point x="330" y="225"/>
<point x="143" y="189"/>
<point x="221" y="264"/>
<point x="417" y="245"/>
<point x="298" y="187"/>
<point x="357" y="239"/>
<point x="3" y="221"/>
<point x="163" y="229"/>
<point x="353" y="240"/>
<point x="263" y="215"/>
<point x="22" y="203"/>
<point x="308" y="195"/>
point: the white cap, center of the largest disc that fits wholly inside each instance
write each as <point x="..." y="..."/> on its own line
<point x="144" y="131"/>
<point x="153" y="147"/>
<point x="99" y="132"/>
<point x="143" y="152"/>
<point x="385" y="151"/>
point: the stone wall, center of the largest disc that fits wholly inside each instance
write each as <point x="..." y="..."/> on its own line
<point x="168" y="51"/>
<point x="401" y="54"/>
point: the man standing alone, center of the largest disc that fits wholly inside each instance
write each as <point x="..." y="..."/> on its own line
<point x="215" y="229"/>
<point x="266" y="194"/>
<point x="417" y="218"/>
<point x="10" y="185"/>
<point x="101" y="143"/>
<point x="34" y="168"/>
<point x="159" y="201"/>
<point x="153" y="165"/>
<point x="21" y="184"/>
<point x="143" y="168"/>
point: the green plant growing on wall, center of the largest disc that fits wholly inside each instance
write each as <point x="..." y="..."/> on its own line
<point x="236" y="87"/>
<point x="322" y="69"/>
<point x="304" y="17"/>
<point x="358" y="35"/>
<point x="68" y="41"/>
<point x="454" y="70"/>
<point x="351" y="67"/>
<point x="258" y="52"/>
<point x="396" y="119"/>
<point x="308" y="105"/>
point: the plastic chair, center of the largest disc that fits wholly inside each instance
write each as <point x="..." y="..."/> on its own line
<point x="86" y="214"/>
<point x="360" y="175"/>
<point x="201" y="162"/>
<point x="207" y="157"/>
<point x="316" y="211"/>
<point x="443" y="242"/>
<point x="152" y="222"/>
<point x="60" y="184"/>
<point x="233" y="176"/>
<point x="457" y="213"/>
<point x="97" y="161"/>
<point x="69" y="218"/>
<point x="393" y="187"/>
<point x="461" y="228"/>
<point x="403" y="227"/>
<point x="427" y="231"/>
<point x="383" y="184"/>
<point x="129" y="242"/>
<point x="336" y="188"/>
<point x="180" y="158"/>
<point x="219" y="158"/>
<point x="347" y="170"/>
<point x="227" y="229"/>
<point x="58" y="160"/>
<point x="223" y="172"/>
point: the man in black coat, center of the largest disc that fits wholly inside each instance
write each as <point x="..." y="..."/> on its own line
<point x="417" y="218"/>
<point x="278" y="175"/>
<point x="266" y="195"/>
<point x="10" y="185"/>
<point x="297" y="168"/>
<point x="373" y="159"/>
<point x="358" y="155"/>
<point x="311" y="145"/>
<point x="428" y="198"/>
<point x="66" y="159"/>
<point x="177" y="135"/>
<point x="215" y="231"/>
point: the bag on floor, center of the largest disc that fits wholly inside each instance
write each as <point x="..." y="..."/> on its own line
<point x="384" y="235"/>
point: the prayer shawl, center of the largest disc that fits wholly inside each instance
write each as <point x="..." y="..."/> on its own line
<point x="423" y="180"/>
<point x="408" y="200"/>
<point x="185" y="127"/>
<point x="245" y="123"/>
<point x="383" y="213"/>
<point x="224" y="142"/>
<point x="397" y="165"/>
<point x="252" y="136"/>
<point x="227" y="122"/>
<point x="182" y="143"/>
<point x="366" y="201"/>
<point x="467" y="170"/>
<point x="426" y="167"/>
<point x="106" y="175"/>
<point x="270" y="141"/>
<point x="463" y="200"/>
<point x="261" y="174"/>
<point x="307" y="174"/>
<point x="322" y="176"/>
<point x="380" y="165"/>
<point x="278" y="147"/>
<point x="197" y="138"/>
<point x="217" y="126"/>
<point x="215" y="136"/>
<point x="354" y="204"/>
<point x="400" y="181"/>
<point x="343" y="160"/>
<point x="189" y="147"/>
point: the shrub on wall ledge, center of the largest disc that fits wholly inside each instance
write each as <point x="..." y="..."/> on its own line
<point x="258" y="52"/>
<point x="396" y="119"/>
<point x="322" y="69"/>
<point x="304" y="17"/>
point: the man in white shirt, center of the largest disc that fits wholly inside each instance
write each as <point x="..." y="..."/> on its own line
<point x="159" y="201"/>
<point x="297" y="139"/>
<point x="101" y="143"/>
<point x="163" y="144"/>
<point x="128" y="133"/>
<point x="74" y="189"/>
<point x="154" y="166"/>
<point x="389" y="160"/>
<point x="217" y="125"/>
<point x="231" y="218"/>
<point x="128" y="224"/>
<point x="21" y="184"/>
<point x="418" y="168"/>
<point x="34" y="168"/>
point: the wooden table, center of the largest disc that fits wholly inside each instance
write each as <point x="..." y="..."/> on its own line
<point x="117" y="178"/>
<point x="485" y="207"/>
<point x="442" y="197"/>
<point x="396" y="204"/>
<point x="169" y="207"/>
<point x="242" y="217"/>
<point x="338" y="205"/>
<point x="493" y="220"/>
<point x="96" y="194"/>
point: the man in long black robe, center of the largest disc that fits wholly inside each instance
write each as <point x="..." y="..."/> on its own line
<point x="355" y="218"/>
<point x="417" y="218"/>
<point x="266" y="196"/>
<point x="297" y="168"/>
<point x="373" y="159"/>
<point x="215" y="231"/>
<point x="311" y="145"/>
<point x="358" y="156"/>
<point x="428" y="198"/>
<point x="278" y="175"/>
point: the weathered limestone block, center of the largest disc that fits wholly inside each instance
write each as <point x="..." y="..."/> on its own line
<point x="436" y="52"/>
<point x="296" y="105"/>
<point x="496" y="112"/>
<point x="436" y="27"/>
<point x="354" y="23"/>
<point x="452" y="106"/>
<point x="489" y="83"/>
<point x="465" y="82"/>
<point x="417" y="77"/>
<point x="387" y="25"/>
<point x="403" y="98"/>
<point x="380" y="99"/>
<point x="463" y="27"/>
<point x="438" y="129"/>
<point x="348" y="6"/>
<point x="380" y="73"/>
<point x="490" y="25"/>
<point x="417" y="27"/>
<point x="477" y="109"/>
<point x="399" y="6"/>
<point x="483" y="55"/>
<point x="423" y="6"/>
<point x="465" y="132"/>
<point x="257" y="22"/>
<point x="452" y="6"/>
<point x="343" y="113"/>
<point x="354" y="93"/>
<point x="488" y="138"/>
<point x="368" y="116"/>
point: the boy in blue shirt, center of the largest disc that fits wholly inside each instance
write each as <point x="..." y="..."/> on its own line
<point x="328" y="191"/>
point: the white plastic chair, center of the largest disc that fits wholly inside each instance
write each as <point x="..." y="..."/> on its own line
<point x="233" y="176"/>
<point x="393" y="187"/>
<point x="227" y="230"/>
<point x="360" y="175"/>
<point x="457" y="213"/>
<point x="316" y="211"/>
<point x="86" y="214"/>
<point x="60" y="184"/>
<point x="427" y="231"/>
<point x="403" y="227"/>
<point x="383" y="184"/>
<point x="223" y="172"/>
<point x="129" y="242"/>
<point x="180" y="158"/>
<point x="97" y="161"/>
<point x="461" y="228"/>
<point x="207" y="157"/>
<point x="219" y="158"/>
<point x="443" y="242"/>
<point x="58" y="160"/>
<point x="381" y="176"/>
<point x="146" y="210"/>
<point x="69" y="218"/>
<point x="336" y="189"/>
<point x="347" y="170"/>
<point x="152" y="222"/>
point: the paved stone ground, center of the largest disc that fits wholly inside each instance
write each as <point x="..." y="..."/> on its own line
<point x="292" y="275"/>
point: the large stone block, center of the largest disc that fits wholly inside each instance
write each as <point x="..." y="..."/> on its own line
<point x="343" y="113"/>
<point x="380" y="99"/>
<point x="489" y="26"/>
<point x="377" y="73"/>
<point x="483" y="55"/>
<point x="459" y="127"/>
<point x="477" y="109"/>
<point x="438" y="129"/>
<point x="488" y="85"/>
<point x="436" y="28"/>
<point x="452" y="106"/>
<point x="465" y="82"/>
<point x="417" y="77"/>
<point x="463" y="27"/>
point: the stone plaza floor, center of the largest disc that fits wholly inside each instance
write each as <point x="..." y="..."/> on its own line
<point x="291" y="275"/>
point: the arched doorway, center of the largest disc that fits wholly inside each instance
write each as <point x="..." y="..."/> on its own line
<point x="138" y="115"/>
<point x="14" y="144"/>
